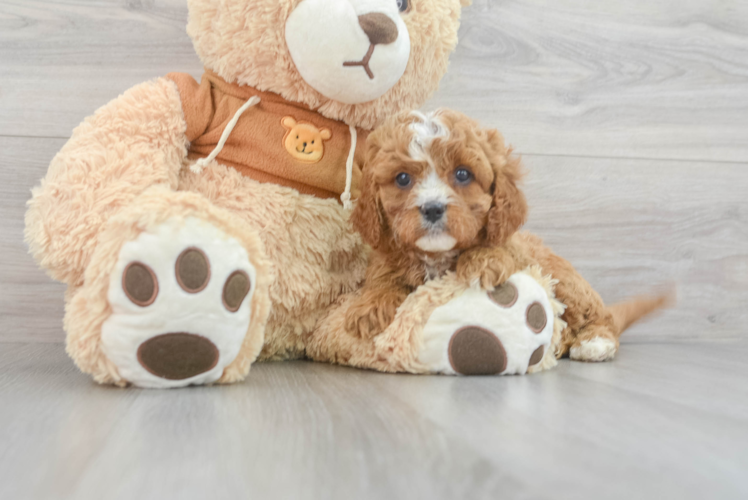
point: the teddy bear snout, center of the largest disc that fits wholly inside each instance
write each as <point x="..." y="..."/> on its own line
<point x="380" y="29"/>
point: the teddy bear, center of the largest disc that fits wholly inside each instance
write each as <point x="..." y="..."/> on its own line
<point x="195" y="231"/>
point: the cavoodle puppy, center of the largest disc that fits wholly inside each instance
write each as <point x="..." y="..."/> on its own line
<point x="440" y="194"/>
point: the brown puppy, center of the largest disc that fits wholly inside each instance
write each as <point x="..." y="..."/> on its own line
<point x="441" y="194"/>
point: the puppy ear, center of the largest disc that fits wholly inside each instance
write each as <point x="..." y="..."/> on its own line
<point x="366" y="217"/>
<point x="509" y="207"/>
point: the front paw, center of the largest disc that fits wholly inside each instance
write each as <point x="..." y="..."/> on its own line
<point x="487" y="273"/>
<point x="365" y="321"/>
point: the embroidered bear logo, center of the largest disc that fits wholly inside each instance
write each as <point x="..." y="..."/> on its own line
<point x="304" y="141"/>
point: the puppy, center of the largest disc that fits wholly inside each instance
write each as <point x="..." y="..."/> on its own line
<point x="440" y="194"/>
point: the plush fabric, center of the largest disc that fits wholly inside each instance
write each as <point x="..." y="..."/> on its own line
<point x="399" y="347"/>
<point x="257" y="147"/>
<point x="88" y="307"/>
<point x="244" y="42"/>
<point x="126" y="171"/>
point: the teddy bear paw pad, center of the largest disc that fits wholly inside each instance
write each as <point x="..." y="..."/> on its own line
<point x="501" y="332"/>
<point x="180" y="299"/>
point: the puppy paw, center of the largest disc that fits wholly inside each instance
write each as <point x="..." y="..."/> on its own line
<point x="594" y="350"/>
<point x="488" y="267"/>
<point x="505" y="331"/>
<point x="180" y="300"/>
<point x="373" y="311"/>
<point x="365" y="321"/>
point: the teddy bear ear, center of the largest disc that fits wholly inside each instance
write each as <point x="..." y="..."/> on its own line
<point x="466" y="3"/>
<point x="325" y="134"/>
<point x="289" y="122"/>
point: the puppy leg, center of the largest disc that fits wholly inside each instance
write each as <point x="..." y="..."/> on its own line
<point x="591" y="334"/>
<point x="491" y="266"/>
<point x="373" y="311"/>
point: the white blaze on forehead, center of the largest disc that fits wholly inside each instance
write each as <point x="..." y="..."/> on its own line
<point x="426" y="129"/>
<point x="432" y="189"/>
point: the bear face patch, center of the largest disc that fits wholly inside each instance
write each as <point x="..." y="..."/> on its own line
<point x="304" y="141"/>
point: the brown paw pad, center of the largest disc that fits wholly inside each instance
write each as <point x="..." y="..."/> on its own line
<point x="140" y="284"/>
<point x="537" y="356"/>
<point x="505" y="295"/>
<point x="178" y="356"/>
<point x="193" y="270"/>
<point x="476" y="351"/>
<point x="235" y="290"/>
<point x="536" y="317"/>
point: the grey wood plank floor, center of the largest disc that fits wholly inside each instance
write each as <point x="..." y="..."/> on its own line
<point x="661" y="422"/>
<point x="632" y="119"/>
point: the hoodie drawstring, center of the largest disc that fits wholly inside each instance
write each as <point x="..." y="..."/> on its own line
<point x="200" y="164"/>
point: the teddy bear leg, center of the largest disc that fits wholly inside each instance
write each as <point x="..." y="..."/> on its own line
<point x="175" y="295"/>
<point x="510" y="330"/>
<point x="449" y="328"/>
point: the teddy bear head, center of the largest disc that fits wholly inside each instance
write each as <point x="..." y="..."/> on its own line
<point x="358" y="61"/>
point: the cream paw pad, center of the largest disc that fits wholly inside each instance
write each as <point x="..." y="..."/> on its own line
<point x="180" y="298"/>
<point x="505" y="331"/>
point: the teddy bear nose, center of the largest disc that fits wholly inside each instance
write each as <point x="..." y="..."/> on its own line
<point x="380" y="29"/>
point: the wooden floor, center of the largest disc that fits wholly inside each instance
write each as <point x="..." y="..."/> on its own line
<point x="632" y="118"/>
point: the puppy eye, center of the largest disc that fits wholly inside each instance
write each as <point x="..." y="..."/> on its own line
<point x="402" y="180"/>
<point x="403" y="5"/>
<point x="463" y="176"/>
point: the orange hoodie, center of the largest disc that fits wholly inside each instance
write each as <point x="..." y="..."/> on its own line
<point x="275" y="141"/>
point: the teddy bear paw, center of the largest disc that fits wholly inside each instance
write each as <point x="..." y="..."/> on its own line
<point x="180" y="305"/>
<point x="505" y="331"/>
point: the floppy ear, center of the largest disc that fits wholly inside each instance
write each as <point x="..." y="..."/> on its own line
<point x="367" y="218"/>
<point x="509" y="207"/>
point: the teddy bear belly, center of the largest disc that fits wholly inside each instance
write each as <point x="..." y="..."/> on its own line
<point x="316" y="258"/>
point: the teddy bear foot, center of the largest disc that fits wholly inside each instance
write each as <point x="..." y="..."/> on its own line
<point x="179" y="296"/>
<point x="506" y="331"/>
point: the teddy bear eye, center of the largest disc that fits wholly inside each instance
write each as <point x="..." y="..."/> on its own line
<point x="403" y="180"/>
<point x="403" y="5"/>
<point x="312" y="142"/>
<point x="463" y="176"/>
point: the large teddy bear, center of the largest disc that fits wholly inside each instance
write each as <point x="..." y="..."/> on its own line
<point x="203" y="225"/>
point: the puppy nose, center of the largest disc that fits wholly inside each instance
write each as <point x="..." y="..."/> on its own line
<point x="433" y="211"/>
<point x="380" y="29"/>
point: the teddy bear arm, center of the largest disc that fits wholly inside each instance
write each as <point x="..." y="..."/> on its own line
<point x="134" y="142"/>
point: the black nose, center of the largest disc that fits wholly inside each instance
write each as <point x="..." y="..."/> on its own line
<point x="433" y="211"/>
<point x="380" y="29"/>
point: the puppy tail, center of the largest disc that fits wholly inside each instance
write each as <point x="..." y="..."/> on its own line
<point x="627" y="313"/>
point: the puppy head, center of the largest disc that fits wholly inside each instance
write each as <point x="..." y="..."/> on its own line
<point x="438" y="182"/>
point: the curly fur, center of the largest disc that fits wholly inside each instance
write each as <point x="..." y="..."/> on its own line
<point x="481" y="218"/>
